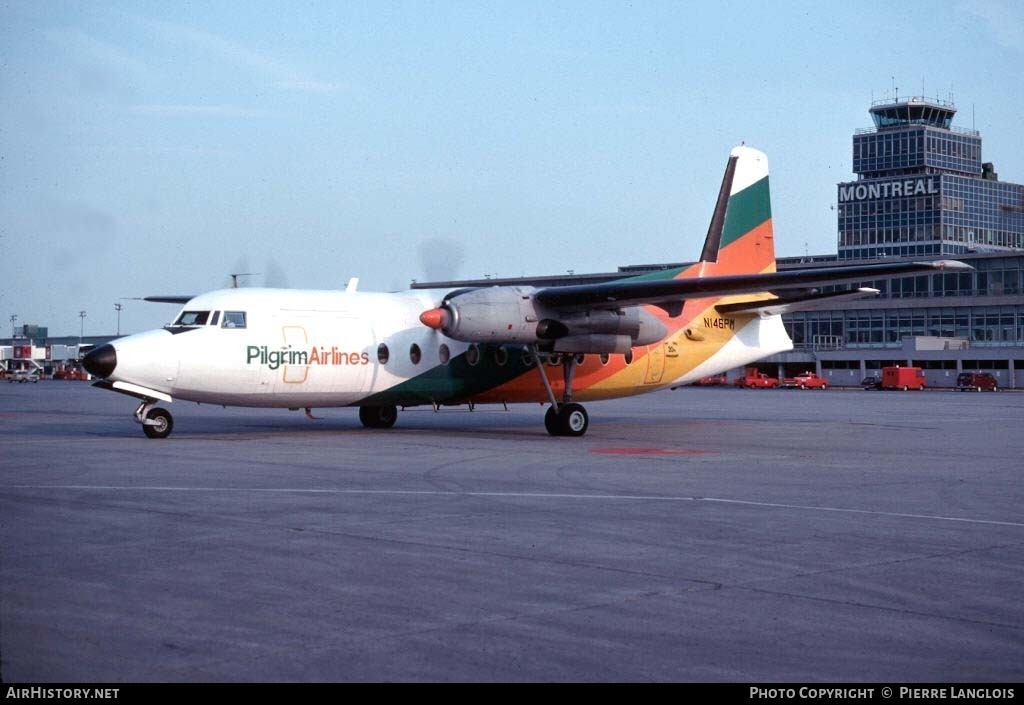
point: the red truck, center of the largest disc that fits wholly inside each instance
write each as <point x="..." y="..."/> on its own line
<point x="904" y="378"/>
<point x="805" y="380"/>
<point x="755" y="379"/>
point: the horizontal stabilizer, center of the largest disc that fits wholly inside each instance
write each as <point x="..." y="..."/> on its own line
<point x="788" y="304"/>
<point x="184" y="299"/>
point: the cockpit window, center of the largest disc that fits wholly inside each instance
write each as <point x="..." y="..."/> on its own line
<point x="234" y="319"/>
<point x="192" y="318"/>
<point x="214" y="318"/>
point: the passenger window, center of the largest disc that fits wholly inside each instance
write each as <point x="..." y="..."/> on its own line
<point x="234" y="319"/>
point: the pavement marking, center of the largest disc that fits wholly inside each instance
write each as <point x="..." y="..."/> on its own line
<point x="652" y="451"/>
<point x="516" y="495"/>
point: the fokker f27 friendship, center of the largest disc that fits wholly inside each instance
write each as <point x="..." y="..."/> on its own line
<point x="557" y="345"/>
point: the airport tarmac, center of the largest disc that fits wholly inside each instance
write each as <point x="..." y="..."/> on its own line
<point x="692" y="535"/>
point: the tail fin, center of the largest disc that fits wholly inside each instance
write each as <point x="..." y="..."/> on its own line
<point x="740" y="239"/>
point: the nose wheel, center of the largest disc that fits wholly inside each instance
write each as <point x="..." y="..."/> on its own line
<point x="156" y="422"/>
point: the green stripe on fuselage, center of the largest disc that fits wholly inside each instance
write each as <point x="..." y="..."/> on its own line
<point x="747" y="209"/>
<point x="456" y="382"/>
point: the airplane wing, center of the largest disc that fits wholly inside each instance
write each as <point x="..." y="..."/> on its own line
<point x="800" y="302"/>
<point x="670" y="293"/>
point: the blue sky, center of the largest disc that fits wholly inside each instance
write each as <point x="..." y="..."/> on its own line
<point x="154" y="148"/>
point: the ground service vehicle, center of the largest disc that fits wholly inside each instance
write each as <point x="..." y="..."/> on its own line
<point x="755" y="379"/>
<point x="904" y="378"/>
<point x="871" y="382"/>
<point x="805" y="380"/>
<point x="71" y="373"/>
<point x="23" y="376"/>
<point x="976" y="381"/>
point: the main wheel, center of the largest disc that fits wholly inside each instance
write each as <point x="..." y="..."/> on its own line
<point x="574" y="420"/>
<point x="571" y="420"/>
<point x="378" y="416"/>
<point x="161" y="426"/>
<point x="551" y="421"/>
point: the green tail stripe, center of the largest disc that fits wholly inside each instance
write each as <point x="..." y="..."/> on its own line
<point x="664" y="274"/>
<point x="747" y="209"/>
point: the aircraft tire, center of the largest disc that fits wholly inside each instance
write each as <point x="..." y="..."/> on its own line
<point x="574" y="420"/>
<point x="378" y="416"/>
<point x="551" y="421"/>
<point x="164" y="424"/>
<point x="571" y="420"/>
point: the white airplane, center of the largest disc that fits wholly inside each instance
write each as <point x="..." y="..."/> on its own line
<point x="490" y="344"/>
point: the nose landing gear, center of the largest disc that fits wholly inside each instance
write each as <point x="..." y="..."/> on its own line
<point x="156" y="422"/>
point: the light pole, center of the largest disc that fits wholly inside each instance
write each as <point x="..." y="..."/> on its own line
<point x="81" y="330"/>
<point x="118" y="307"/>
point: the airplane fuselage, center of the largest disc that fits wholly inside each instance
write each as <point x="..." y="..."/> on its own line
<point x="309" y="348"/>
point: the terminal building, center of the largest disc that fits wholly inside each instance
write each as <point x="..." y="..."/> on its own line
<point x="922" y="191"/>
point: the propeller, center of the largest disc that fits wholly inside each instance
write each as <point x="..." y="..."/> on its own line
<point x="441" y="258"/>
<point x="240" y="272"/>
<point x="275" y="277"/>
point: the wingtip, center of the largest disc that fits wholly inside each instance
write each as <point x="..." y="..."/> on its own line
<point x="948" y="264"/>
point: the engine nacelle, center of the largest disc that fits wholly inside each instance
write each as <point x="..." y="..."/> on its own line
<point x="639" y="326"/>
<point x="500" y="315"/>
<point x="510" y="315"/>
<point x="594" y="343"/>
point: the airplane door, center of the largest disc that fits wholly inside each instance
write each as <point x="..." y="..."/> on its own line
<point x="325" y="354"/>
<point x="655" y="364"/>
<point x="289" y="371"/>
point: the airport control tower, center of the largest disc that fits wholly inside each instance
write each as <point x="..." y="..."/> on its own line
<point x="923" y="190"/>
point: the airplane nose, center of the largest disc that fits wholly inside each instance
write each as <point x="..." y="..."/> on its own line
<point x="101" y="361"/>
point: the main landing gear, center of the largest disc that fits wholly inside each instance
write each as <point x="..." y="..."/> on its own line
<point x="156" y="422"/>
<point x="378" y="416"/>
<point x="567" y="418"/>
